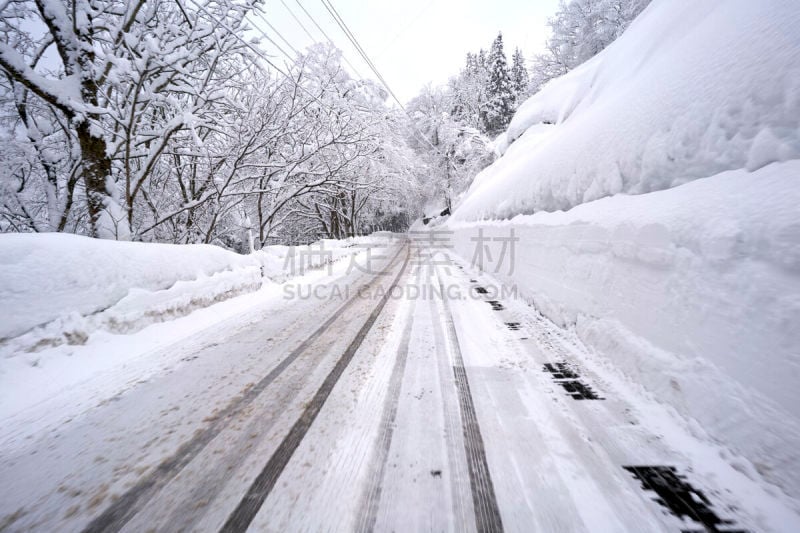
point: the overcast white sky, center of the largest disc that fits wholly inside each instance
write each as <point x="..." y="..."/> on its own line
<point x="413" y="42"/>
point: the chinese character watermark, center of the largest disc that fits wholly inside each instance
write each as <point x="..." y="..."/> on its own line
<point x="365" y="261"/>
<point x="431" y="248"/>
<point x="299" y="259"/>
<point x="482" y="252"/>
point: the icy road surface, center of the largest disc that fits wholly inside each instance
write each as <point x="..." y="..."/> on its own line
<point x="419" y="398"/>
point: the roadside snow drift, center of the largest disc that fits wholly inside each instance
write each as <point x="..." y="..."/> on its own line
<point x="692" y="293"/>
<point x="690" y="90"/>
<point x="58" y="288"/>
<point x="46" y="276"/>
<point x="655" y="195"/>
<point x="95" y="313"/>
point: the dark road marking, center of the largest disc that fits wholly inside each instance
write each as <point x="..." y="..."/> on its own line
<point x="560" y="371"/>
<point x="240" y="519"/>
<point x="680" y="497"/>
<point x="497" y="306"/>
<point x="132" y="501"/>
<point x="579" y="390"/>
<point x="484" y="500"/>
<point x="566" y="376"/>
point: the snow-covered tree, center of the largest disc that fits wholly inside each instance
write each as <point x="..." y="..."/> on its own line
<point x="468" y="93"/>
<point x="519" y="76"/>
<point x="456" y="152"/>
<point x="580" y="30"/>
<point x="291" y="160"/>
<point x="155" y="120"/>
<point x="499" y="89"/>
<point x="122" y="78"/>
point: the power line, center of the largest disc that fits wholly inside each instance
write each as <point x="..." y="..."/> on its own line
<point x="260" y="54"/>
<point x="286" y="41"/>
<point x="351" y="36"/>
<point x="313" y="40"/>
<point x="267" y="37"/>
<point x="262" y="17"/>
<point x="314" y="21"/>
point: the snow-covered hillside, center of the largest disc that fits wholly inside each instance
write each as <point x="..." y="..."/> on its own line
<point x="674" y="155"/>
<point x="691" y="89"/>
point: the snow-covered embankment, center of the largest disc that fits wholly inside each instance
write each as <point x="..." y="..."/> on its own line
<point x="83" y="319"/>
<point x="59" y="288"/>
<point x="675" y="154"/>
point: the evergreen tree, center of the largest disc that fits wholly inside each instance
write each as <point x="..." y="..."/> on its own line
<point x="471" y="68"/>
<point x="499" y="90"/>
<point x="482" y="60"/>
<point x="468" y="93"/>
<point x="519" y="76"/>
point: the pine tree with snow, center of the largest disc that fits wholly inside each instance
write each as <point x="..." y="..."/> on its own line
<point x="467" y="93"/>
<point x="471" y="68"/>
<point x="519" y="76"/>
<point x="499" y="90"/>
<point x="482" y="60"/>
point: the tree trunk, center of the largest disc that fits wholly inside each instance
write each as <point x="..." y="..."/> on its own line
<point x="96" y="170"/>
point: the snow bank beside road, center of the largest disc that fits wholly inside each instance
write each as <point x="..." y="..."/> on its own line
<point x="45" y="276"/>
<point x="690" y="90"/>
<point x="57" y="370"/>
<point x="688" y="284"/>
<point x="692" y="292"/>
<point x="58" y="288"/>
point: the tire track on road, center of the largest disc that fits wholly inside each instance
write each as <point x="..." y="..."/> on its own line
<point x="369" y="509"/>
<point x="484" y="499"/>
<point x="259" y="490"/>
<point x="136" y="498"/>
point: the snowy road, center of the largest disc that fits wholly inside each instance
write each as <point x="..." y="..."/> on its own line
<point x="417" y="398"/>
